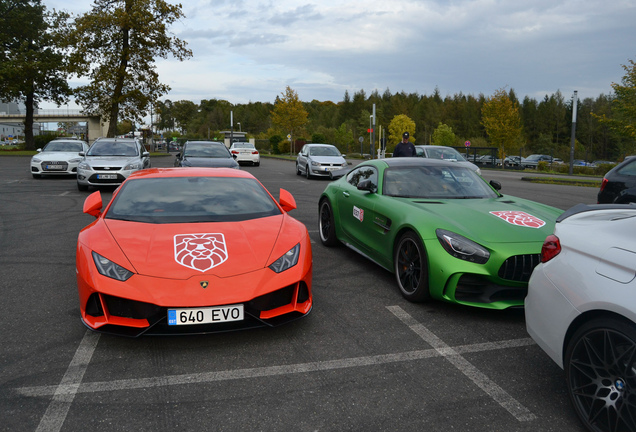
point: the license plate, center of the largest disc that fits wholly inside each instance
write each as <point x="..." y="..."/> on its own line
<point x="107" y="176"/>
<point x="331" y="168"/>
<point x="207" y="315"/>
<point x="55" y="167"/>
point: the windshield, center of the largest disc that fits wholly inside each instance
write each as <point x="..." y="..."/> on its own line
<point x="243" y="145"/>
<point x="445" y="154"/>
<point x="192" y="199"/>
<point x="63" y="146"/>
<point x="323" y="151"/>
<point x="206" y="151"/>
<point x="434" y="182"/>
<point x="113" y="148"/>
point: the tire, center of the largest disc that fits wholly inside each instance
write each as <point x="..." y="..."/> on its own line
<point x="327" y="227"/>
<point x="307" y="172"/>
<point x="81" y="187"/>
<point x="600" y="361"/>
<point x="297" y="169"/>
<point x="37" y="176"/>
<point x="257" y="163"/>
<point x="411" y="268"/>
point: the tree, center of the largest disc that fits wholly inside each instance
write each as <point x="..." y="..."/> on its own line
<point x="32" y="67"/>
<point x="443" y="135"/>
<point x="501" y="119"/>
<point x="183" y="112"/>
<point x="399" y="124"/>
<point x="623" y="108"/>
<point x="289" y="114"/>
<point x="115" y="45"/>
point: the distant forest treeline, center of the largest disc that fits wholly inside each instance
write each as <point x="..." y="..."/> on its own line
<point x="546" y="123"/>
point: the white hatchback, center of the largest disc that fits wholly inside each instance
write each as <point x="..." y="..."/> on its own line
<point x="58" y="157"/>
<point x="581" y="310"/>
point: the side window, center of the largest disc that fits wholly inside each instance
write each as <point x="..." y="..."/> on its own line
<point x="363" y="173"/>
<point x="629" y="169"/>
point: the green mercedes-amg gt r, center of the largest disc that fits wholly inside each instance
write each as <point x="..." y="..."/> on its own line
<point x="443" y="231"/>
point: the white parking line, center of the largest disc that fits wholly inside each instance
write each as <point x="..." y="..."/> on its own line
<point x="520" y="412"/>
<point x="65" y="392"/>
<point x="71" y="384"/>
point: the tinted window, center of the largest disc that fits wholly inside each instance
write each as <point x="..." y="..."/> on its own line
<point x="629" y="169"/>
<point x="323" y="151"/>
<point x="447" y="154"/>
<point x="435" y="182"/>
<point x="192" y="199"/>
<point x="114" y="148"/>
<point x="63" y="146"/>
<point x="206" y="150"/>
<point x="362" y="173"/>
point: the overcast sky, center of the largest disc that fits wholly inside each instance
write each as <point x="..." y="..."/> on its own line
<point x="249" y="50"/>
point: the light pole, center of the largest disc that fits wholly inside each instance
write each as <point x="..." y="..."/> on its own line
<point x="239" y="125"/>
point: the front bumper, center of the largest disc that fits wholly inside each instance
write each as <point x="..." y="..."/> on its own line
<point x="140" y="305"/>
<point x="54" y="168"/>
<point x="102" y="177"/>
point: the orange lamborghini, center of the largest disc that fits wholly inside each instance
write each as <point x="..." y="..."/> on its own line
<point x="192" y="250"/>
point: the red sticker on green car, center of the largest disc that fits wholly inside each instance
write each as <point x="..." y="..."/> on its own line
<point x="519" y="218"/>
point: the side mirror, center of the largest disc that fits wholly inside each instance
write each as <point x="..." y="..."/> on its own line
<point x="286" y="201"/>
<point x="495" y="184"/>
<point x="82" y="153"/>
<point x="93" y="204"/>
<point x="366" y="185"/>
<point x="146" y="154"/>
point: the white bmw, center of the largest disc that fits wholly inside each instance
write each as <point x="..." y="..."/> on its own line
<point x="581" y="310"/>
<point x="58" y="157"/>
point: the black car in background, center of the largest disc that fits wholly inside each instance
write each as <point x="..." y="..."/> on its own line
<point x="619" y="184"/>
<point x="211" y="154"/>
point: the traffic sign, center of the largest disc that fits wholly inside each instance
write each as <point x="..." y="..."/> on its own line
<point x="467" y="143"/>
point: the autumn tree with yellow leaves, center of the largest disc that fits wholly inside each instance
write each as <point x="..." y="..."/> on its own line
<point x="502" y="122"/>
<point x="289" y="115"/>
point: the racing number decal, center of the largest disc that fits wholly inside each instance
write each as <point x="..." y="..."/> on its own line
<point x="519" y="218"/>
<point x="358" y="213"/>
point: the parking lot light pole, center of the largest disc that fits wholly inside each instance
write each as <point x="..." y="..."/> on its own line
<point x="573" y="137"/>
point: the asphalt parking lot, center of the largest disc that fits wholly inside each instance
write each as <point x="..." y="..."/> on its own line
<point x="364" y="359"/>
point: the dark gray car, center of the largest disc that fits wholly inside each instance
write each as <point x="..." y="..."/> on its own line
<point x="212" y="154"/>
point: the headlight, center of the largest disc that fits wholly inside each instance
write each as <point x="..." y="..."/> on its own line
<point x="36" y="160"/>
<point x="287" y="261"/>
<point x="462" y="248"/>
<point x="314" y="163"/>
<point x="109" y="269"/>
<point x="84" y="166"/>
<point x="75" y="160"/>
<point x="133" y="166"/>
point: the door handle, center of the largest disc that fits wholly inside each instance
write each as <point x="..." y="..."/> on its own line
<point x="345" y="194"/>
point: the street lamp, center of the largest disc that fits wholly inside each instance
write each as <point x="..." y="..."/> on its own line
<point x="239" y="125"/>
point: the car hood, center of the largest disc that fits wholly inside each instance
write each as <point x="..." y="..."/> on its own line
<point x="57" y="156"/>
<point x="209" y="162"/>
<point x="328" y="159"/>
<point x="495" y="220"/>
<point x="179" y="251"/>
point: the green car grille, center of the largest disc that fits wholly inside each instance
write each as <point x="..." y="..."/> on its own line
<point x="518" y="268"/>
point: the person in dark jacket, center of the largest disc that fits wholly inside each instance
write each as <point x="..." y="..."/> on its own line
<point x="404" y="148"/>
